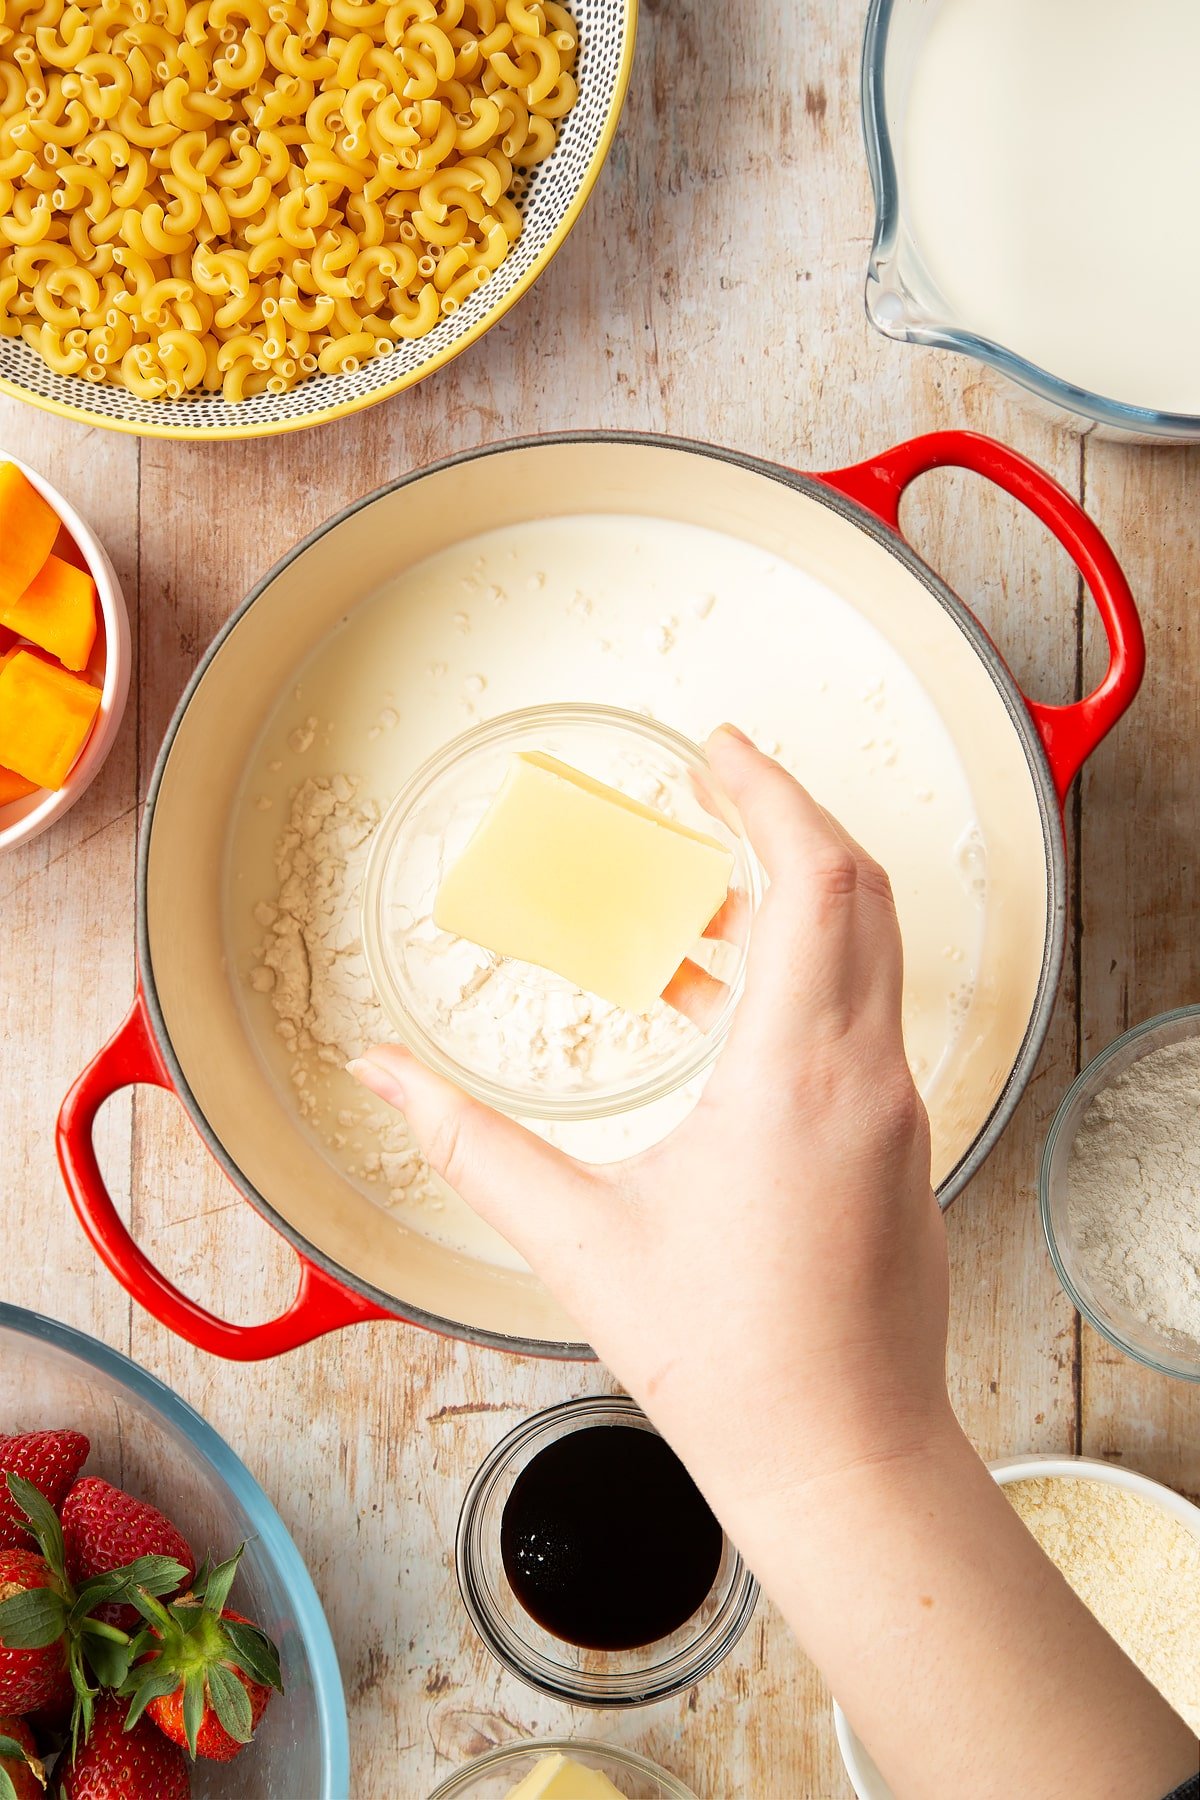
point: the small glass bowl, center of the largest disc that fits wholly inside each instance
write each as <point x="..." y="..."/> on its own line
<point x="1120" y="1326"/>
<point x="493" y="1777"/>
<point x="419" y="972"/>
<point x="602" y="1678"/>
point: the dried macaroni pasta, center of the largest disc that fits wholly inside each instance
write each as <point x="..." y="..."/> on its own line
<point x="234" y="194"/>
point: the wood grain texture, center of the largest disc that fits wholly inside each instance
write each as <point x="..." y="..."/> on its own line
<point x="1141" y="880"/>
<point x="712" y="289"/>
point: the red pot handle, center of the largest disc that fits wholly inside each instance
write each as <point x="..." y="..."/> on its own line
<point x="1068" y="733"/>
<point x="321" y="1304"/>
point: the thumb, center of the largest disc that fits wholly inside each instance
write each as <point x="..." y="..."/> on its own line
<point x="534" y="1195"/>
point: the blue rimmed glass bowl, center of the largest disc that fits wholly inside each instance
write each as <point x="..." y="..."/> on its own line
<point x="146" y="1439"/>
<point x="903" y="299"/>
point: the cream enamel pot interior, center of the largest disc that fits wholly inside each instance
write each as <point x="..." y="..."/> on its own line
<point x="185" y="1031"/>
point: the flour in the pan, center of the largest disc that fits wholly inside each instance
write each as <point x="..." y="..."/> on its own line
<point x="310" y="962"/>
<point x="687" y="625"/>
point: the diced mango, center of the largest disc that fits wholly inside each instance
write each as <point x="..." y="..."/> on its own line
<point x="57" y="611"/>
<point x="14" y="786"/>
<point x="28" y="528"/>
<point x="45" y="716"/>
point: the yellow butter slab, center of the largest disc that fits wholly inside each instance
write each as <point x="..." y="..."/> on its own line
<point x="557" y="1778"/>
<point x="568" y="873"/>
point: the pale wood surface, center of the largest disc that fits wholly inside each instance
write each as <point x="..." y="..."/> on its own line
<point x="713" y="288"/>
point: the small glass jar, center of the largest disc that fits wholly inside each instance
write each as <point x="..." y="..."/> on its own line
<point x="1119" y="1325"/>
<point x="494" y="1776"/>
<point x="601" y="1678"/>
<point x="520" y="1038"/>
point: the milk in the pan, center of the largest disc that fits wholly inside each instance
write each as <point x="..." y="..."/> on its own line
<point x="685" y="624"/>
<point x="1048" y="161"/>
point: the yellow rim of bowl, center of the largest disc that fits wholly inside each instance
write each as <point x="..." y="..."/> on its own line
<point x="343" y="408"/>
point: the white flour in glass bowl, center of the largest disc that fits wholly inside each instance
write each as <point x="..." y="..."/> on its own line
<point x="686" y="625"/>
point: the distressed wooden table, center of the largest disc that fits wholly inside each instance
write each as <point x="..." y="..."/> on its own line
<point x="713" y="288"/>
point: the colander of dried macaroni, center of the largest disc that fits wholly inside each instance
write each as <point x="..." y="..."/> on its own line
<point x="237" y="217"/>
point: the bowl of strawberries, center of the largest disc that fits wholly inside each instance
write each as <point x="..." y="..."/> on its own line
<point x="160" y="1637"/>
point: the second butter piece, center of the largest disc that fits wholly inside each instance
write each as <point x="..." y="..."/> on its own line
<point x="556" y="1777"/>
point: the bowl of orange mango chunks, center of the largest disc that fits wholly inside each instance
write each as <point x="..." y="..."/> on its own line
<point x="64" y="654"/>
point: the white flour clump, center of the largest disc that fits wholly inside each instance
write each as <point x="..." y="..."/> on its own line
<point x="312" y="965"/>
<point x="507" y="1019"/>
<point x="1134" y="1191"/>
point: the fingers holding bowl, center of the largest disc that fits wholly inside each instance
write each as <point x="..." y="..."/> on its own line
<point x="826" y="935"/>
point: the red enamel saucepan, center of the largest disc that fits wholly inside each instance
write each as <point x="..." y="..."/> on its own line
<point x="187" y="1031"/>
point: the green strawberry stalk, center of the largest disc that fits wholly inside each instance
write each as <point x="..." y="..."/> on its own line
<point x="47" y="1623"/>
<point x="202" y="1672"/>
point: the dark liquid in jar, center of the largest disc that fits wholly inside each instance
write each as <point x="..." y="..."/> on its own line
<point x="606" y="1540"/>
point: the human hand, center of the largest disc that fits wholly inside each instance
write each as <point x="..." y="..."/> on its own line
<point x="780" y="1257"/>
<point x="770" y="1283"/>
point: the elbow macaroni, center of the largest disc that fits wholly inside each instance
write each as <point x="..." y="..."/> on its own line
<point x="233" y="195"/>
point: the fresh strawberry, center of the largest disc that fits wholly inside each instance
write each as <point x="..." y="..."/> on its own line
<point x="48" y="1626"/>
<point x="22" y="1774"/>
<point x="51" y="1723"/>
<point x="50" y="1460"/>
<point x="105" y="1529"/>
<point x="213" y="1741"/>
<point x="116" y="1764"/>
<point x="33" y="1644"/>
<point x="208" y="1672"/>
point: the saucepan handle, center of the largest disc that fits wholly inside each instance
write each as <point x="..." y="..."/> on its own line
<point x="321" y="1304"/>
<point x="1069" y="733"/>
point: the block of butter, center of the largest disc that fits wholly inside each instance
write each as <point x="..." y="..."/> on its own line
<point x="557" y="1778"/>
<point x="572" y="875"/>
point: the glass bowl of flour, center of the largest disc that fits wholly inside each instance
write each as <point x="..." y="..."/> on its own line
<point x="1120" y="1193"/>
<point x="517" y="1036"/>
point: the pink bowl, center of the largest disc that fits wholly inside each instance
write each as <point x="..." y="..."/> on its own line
<point x="110" y="664"/>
